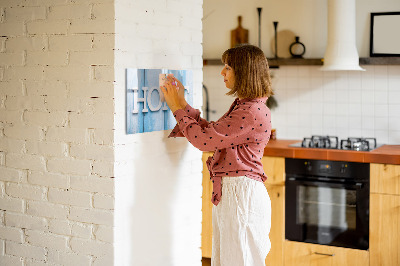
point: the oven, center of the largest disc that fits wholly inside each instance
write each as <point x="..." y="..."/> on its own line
<point x="327" y="202"/>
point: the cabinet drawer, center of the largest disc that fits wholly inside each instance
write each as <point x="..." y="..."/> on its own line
<point x="304" y="254"/>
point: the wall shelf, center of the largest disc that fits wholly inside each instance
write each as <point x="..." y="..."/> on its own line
<point x="274" y="63"/>
<point x="380" y="61"/>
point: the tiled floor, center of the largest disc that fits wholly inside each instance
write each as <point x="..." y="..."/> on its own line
<point x="206" y="261"/>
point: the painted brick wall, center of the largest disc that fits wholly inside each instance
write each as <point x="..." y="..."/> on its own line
<point x="158" y="180"/>
<point x="56" y="132"/>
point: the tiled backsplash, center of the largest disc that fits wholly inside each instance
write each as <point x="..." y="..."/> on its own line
<point x="312" y="102"/>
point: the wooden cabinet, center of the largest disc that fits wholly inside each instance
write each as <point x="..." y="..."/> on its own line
<point x="385" y="215"/>
<point x="206" y="226"/>
<point x="274" y="168"/>
<point x="304" y="254"/>
<point x="277" y="233"/>
<point x="385" y="178"/>
<point x="384" y="222"/>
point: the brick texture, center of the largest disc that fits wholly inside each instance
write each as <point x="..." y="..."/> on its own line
<point x="56" y="123"/>
<point x="62" y="98"/>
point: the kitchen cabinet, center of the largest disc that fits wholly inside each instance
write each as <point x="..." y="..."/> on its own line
<point x="385" y="178"/>
<point x="206" y="225"/>
<point x="274" y="168"/>
<point x="385" y="214"/>
<point x="305" y="254"/>
<point x="384" y="248"/>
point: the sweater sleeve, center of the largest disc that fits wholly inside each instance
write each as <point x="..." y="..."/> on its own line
<point x="229" y="131"/>
<point x="193" y="113"/>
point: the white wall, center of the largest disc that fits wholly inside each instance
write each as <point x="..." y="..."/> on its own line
<point x="158" y="180"/>
<point x="304" y="18"/>
<point x="344" y="103"/>
<point x="313" y="102"/>
<point x="56" y="132"/>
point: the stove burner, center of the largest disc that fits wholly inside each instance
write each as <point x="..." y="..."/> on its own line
<point x="332" y="142"/>
<point x="328" y="142"/>
<point x="358" y="144"/>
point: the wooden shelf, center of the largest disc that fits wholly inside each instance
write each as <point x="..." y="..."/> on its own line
<point x="274" y="63"/>
<point x="380" y="61"/>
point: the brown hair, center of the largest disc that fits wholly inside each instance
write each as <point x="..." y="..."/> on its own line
<point x="250" y="66"/>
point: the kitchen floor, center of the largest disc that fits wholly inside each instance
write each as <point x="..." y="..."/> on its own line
<point x="206" y="261"/>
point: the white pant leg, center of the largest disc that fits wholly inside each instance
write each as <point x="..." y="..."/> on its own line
<point x="241" y="223"/>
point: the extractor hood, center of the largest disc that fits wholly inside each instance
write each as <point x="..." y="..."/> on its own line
<point x="341" y="51"/>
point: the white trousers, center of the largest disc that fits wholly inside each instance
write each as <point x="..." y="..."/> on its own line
<point x="241" y="223"/>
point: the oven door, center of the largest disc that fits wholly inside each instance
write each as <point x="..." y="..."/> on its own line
<point x="327" y="213"/>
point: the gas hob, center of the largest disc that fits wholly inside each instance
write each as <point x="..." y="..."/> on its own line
<point x="332" y="142"/>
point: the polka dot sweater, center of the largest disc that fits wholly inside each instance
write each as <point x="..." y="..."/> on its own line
<point x="238" y="139"/>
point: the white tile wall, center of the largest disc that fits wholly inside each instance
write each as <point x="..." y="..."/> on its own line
<point x="311" y="102"/>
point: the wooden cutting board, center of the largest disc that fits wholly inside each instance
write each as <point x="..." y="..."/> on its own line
<point x="239" y="35"/>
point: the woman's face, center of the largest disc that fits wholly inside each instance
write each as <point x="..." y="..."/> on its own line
<point x="229" y="76"/>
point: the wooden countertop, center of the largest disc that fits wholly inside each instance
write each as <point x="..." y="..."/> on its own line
<point x="389" y="154"/>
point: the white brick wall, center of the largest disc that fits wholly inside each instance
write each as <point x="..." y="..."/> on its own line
<point x="56" y="132"/>
<point x="62" y="138"/>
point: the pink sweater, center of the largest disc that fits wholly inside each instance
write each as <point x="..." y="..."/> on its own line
<point x="238" y="139"/>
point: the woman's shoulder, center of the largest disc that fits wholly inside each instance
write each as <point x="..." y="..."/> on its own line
<point x="255" y="105"/>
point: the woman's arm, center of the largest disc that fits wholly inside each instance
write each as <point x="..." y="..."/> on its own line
<point x="237" y="128"/>
<point x="194" y="113"/>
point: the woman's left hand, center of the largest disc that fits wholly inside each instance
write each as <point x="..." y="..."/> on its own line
<point x="171" y="96"/>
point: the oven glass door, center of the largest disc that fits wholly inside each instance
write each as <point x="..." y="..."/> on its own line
<point x="326" y="213"/>
<point x="326" y="207"/>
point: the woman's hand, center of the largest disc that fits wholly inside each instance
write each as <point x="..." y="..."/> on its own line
<point x="171" y="94"/>
<point x="181" y="91"/>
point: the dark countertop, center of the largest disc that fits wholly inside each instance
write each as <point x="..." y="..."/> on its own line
<point x="389" y="154"/>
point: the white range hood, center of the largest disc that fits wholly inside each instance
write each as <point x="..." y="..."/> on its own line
<point x="341" y="51"/>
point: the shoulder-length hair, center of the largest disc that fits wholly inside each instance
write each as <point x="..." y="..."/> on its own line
<point x="250" y="66"/>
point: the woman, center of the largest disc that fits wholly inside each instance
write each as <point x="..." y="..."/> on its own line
<point x="242" y="208"/>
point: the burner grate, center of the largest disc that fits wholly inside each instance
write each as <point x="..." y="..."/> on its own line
<point x="358" y="144"/>
<point x="332" y="142"/>
<point x="327" y="142"/>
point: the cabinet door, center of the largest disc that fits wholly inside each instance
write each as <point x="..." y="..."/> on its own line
<point x="385" y="178"/>
<point x="277" y="233"/>
<point x="304" y="254"/>
<point x="274" y="168"/>
<point x="384" y="229"/>
<point x="206" y="232"/>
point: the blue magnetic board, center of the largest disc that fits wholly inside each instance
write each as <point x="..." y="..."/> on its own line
<point x="145" y="112"/>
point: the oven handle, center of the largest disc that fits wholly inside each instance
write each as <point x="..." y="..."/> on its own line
<point x="357" y="185"/>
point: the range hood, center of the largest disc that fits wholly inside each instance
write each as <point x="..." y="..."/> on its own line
<point x="341" y="51"/>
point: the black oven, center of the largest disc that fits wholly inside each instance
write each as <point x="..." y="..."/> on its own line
<point x="327" y="202"/>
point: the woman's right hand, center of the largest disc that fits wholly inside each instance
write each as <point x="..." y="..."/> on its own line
<point x="181" y="91"/>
